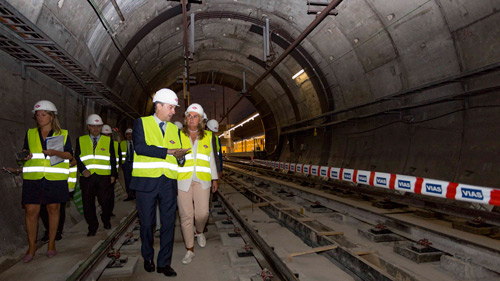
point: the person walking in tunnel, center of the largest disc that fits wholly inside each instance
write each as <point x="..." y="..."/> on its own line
<point x="45" y="182"/>
<point x="127" y="152"/>
<point x="157" y="150"/>
<point x="195" y="179"/>
<point x="96" y="160"/>
<point x="107" y="131"/>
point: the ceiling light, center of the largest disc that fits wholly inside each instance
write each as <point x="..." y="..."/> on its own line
<point x="298" y="73"/>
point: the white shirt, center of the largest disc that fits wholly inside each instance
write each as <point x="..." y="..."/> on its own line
<point x="184" y="185"/>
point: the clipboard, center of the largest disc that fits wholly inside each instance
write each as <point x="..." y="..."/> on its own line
<point x="56" y="143"/>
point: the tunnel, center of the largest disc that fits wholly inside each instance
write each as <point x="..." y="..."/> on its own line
<point x="408" y="89"/>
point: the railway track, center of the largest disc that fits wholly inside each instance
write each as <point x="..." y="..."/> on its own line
<point x="298" y="197"/>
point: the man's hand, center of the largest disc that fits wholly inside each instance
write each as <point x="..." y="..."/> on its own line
<point x="112" y="180"/>
<point x="86" y="173"/>
<point x="215" y="186"/>
<point x="178" y="152"/>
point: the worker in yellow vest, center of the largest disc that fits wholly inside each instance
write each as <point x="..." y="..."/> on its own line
<point x="45" y="181"/>
<point x="213" y="126"/>
<point x="127" y="150"/>
<point x="195" y="178"/>
<point x="154" y="178"/>
<point x="96" y="160"/>
<point x="107" y="131"/>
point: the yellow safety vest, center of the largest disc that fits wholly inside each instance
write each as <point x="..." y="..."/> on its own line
<point x="98" y="163"/>
<point x="115" y="143"/>
<point x="38" y="166"/>
<point x="202" y="161"/>
<point x="123" y="146"/>
<point x="72" y="178"/>
<point x="217" y="141"/>
<point x="151" y="167"/>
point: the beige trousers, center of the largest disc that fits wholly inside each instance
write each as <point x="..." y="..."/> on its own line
<point x="193" y="205"/>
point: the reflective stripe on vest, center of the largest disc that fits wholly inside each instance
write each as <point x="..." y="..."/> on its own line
<point x="38" y="166"/>
<point x="98" y="163"/>
<point x="123" y="146"/>
<point x="202" y="161"/>
<point x="150" y="167"/>
<point x="72" y="178"/>
<point x="115" y="143"/>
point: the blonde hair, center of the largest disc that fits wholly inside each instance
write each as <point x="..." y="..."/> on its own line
<point x="201" y="128"/>
<point x="56" y="127"/>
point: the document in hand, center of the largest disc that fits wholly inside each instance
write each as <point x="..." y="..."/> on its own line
<point x="56" y="143"/>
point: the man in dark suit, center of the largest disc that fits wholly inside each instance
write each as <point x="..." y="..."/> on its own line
<point x="154" y="178"/>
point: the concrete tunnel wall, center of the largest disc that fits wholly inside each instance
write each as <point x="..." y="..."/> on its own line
<point x="18" y="95"/>
<point x="450" y="132"/>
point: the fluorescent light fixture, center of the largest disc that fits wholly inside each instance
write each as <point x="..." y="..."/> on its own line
<point x="298" y="73"/>
<point x="242" y="123"/>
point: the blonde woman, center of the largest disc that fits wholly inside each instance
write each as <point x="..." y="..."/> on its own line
<point x="195" y="178"/>
<point x="43" y="183"/>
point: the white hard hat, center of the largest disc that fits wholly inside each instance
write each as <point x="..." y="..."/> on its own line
<point x="178" y="124"/>
<point x="128" y="131"/>
<point x="213" y="125"/>
<point x="106" y="129"/>
<point x="44" y="105"/>
<point x="195" y="107"/>
<point x="166" y="96"/>
<point x="94" y="119"/>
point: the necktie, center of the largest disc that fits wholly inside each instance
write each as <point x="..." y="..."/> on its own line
<point x="161" y="128"/>
<point x="95" y="142"/>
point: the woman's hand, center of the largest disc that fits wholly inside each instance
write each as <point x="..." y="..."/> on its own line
<point x="50" y="152"/>
<point x="215" y="186"/>
<point x="29" y="156"/>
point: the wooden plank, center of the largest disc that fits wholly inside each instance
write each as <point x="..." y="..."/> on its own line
<point x="256" y="205"/>
<point x="305" y="219"/>
<point x="289" y="257"/>
<point x="362" y="253"/>
<point x="329" y="233"/>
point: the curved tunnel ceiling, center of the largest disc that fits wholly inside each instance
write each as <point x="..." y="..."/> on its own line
<point x="371" y="51"/>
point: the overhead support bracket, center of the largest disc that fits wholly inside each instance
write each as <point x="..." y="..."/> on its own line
<point x="290" y="48"/>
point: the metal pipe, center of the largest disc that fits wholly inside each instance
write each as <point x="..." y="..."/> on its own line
<point x="264" y="44"/>
<point x="280" y="267"/>
<point x="117" y="8"/>
<point x="186" y="50"/>
<point x="85" y="267"/>
<point x="267" y="38"/>
<point x="435" y="84"/>
<point x="191" y="35"/>
<point x="290" y="48"/>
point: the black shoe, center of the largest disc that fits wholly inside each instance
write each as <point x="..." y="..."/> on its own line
<point x="91" y="233"/>
<point x="45" y="237"/>
<point x="129" y="199"/>
<point x="167" y="271"/>
<point x="113" y="215"/>
<point x="149" y="266"/>
<point x="107" y="225"/>
<point x="58" y="236"/>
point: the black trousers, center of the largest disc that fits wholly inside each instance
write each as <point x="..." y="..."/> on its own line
<point x="165" y="195"/>
<point x="100" y="187"/>
<point x="44" y="215"/>
<point x="127" y="174"/>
